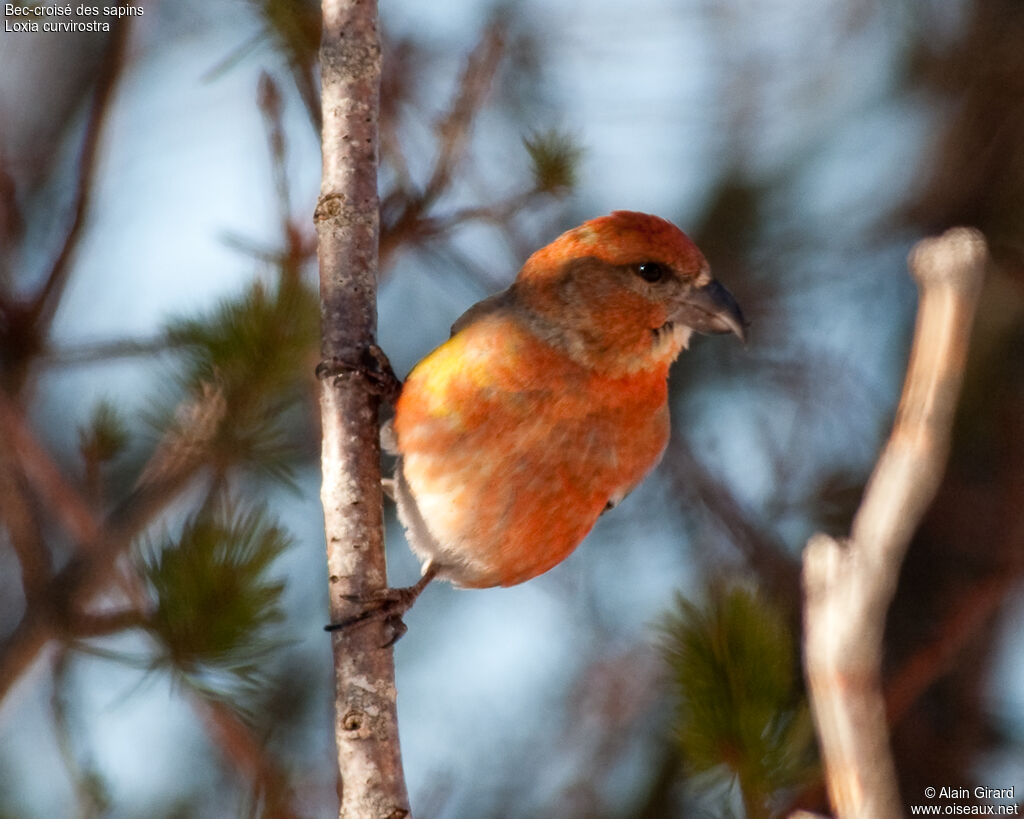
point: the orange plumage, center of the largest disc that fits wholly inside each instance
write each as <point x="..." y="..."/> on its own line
<point x="549" y="402"/>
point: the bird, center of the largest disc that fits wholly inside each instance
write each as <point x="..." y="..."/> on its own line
<point x="549" y="402"/>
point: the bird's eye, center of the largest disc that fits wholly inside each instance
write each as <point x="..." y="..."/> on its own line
<point x="652" y="271"/>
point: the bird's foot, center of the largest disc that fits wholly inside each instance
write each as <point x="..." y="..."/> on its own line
<point x="388" y="605"/>
<point x="373" y="365"/>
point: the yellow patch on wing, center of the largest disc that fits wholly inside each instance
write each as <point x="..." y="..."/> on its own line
<point x="462" y="366"/>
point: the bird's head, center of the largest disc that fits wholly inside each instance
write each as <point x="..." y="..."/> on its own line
<point x="625" y="292"/>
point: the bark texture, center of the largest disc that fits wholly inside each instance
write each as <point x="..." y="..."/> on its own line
<point x="371" y="782"/>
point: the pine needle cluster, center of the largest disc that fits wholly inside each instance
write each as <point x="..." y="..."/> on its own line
<point x="215" y="604"/>
<point x="741" y="716"/>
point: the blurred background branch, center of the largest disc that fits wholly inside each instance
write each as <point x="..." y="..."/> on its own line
<point x="849" y="584"/>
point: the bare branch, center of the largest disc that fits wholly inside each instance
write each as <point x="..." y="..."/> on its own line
<point x="19" y="651"/>
<point x="347" y="222"/>
<point x="87" y="624"/>
<point x="21" y="520"/>
<point x="104" y="351"/>
<point x="53" y="612"/>
<point x="453" y="130"/>
<point x="44" y="305"/>
<point x="12" y="221"/>
<point x="64" y="502"/>
<point x="268" y="99"/>
<point x="497" y="213"/>
<point x="849" y="585"/>
<point x="411" y="223"/>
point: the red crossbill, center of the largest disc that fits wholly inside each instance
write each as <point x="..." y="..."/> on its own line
<point x="548" y="404"/>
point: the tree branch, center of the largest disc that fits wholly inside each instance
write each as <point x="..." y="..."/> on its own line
<point x="45" y="478"/>
<point x="44" y="305"/>
<point x="347" y="222"/>
<point x="453" y="130"/>
<point x="52" y="612"/>
<point x="411" y="223"/>
<point x="101" y="352"/>
<point x="849" y="585"/>
<point x="22" y="522"/>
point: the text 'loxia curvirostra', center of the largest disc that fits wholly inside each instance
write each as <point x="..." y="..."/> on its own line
<point x="548" y="404"/>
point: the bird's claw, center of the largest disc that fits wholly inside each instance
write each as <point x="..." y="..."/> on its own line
<point x="394" y="624"/>
<point x="389" y="610"/>
<point x="389" y="604"/>
<point x="373" y="365"/>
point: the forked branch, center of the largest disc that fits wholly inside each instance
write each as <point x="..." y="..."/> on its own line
<point x="849" y="584"/>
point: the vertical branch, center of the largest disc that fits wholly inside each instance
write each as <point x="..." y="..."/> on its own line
<point x="369" y="761"/>
<point x="849" y="585"/>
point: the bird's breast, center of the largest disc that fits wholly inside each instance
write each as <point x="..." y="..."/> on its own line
<point x="511" y="451"/>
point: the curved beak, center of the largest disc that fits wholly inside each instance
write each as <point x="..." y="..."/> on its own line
<point x="711" y="309"/>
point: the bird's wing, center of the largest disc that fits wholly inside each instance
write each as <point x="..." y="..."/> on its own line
<point x="492" y="304"/>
